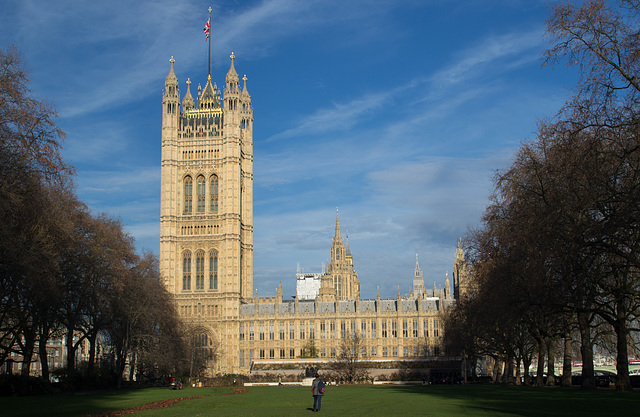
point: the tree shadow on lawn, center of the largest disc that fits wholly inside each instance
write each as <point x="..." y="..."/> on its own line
<point x="526" y="400"/>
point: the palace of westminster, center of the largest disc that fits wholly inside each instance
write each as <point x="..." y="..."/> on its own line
<point x="206" y="252"/>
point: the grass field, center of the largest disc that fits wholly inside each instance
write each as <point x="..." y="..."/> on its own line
<point x="361" y="400"/>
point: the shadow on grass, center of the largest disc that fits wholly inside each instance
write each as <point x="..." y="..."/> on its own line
<point x="526" y="400"/>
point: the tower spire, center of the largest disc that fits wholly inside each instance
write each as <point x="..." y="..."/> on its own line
<point x="337" y="234"/>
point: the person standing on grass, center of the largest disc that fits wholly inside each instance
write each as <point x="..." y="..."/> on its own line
<point x="317" y="389"/>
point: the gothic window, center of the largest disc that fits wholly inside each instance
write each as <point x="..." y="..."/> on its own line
<point x="200" y="271"/>
<point x="426" y="328"/>
<point x="282" y="333"/>
<point x="405" y="329"/>
<point x="312" y="330"/>
<point x="271" y="332"/>
<point x="394" y="329"/>
<point x="384" y="328"/>
<point x="188" y="195"/>
<point x="201" y="194"/>
<point x="213" y="270"/>
<point x="186" y="271"/>
<point x="214" y="193"/>
<point x="261" y="331"/>
<point x="292" y="334"/>
<point x="251" y="331"/>
<point x="363" y="329"/>
<point x="241" y="331"/>
<point x="203" y="345"/>
<point x="436" y="329"/>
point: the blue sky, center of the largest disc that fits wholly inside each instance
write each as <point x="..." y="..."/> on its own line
<point x="396" y="111"/>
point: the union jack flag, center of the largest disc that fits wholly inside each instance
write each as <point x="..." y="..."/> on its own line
<point x="207" y="29"/>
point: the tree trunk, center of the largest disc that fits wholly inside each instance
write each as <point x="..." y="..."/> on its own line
<point x="132" y="366"/>
<point x="586" y="350"/>
<point x="92" y="353"/>
<point x="526" y="364"/>
<point x="71" y="353"/>
<point x="623" y="383"/>
<point x="540" y="371"/>
<point x="42" y="351"/>
<point x="518" y="374"/>
<point x="497" y="369"/>
<point x="567" y="360"/>
<point x="551" y="362"/>
<point x="27" y="353"/>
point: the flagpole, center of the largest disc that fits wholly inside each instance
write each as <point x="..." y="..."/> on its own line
<point x="209" y="42"/>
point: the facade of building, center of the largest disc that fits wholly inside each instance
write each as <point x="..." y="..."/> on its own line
<point x="206" y="251"/>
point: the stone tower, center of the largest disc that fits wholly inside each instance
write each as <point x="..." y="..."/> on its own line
<point x="206" y="212"/>
<point x="418" y="289"/>
<point x="341" y="277"/>
<point x="459" y="273"/>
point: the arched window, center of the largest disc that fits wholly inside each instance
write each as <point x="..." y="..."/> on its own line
<point x="200" y="271"/>
<point x="213" y="270"/>
<point x="188" y="194"/>
<point x="214" y="193"/>
<point x="203" y="346"/>
<point x="186" y="271"/>
<point x="201" y="194"/>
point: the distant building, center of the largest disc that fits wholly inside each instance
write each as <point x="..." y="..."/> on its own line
<point x="206" y="251"/>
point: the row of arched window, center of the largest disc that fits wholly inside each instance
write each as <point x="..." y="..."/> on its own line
<point x="201" y="194"/>
<point x="201" y="267"/>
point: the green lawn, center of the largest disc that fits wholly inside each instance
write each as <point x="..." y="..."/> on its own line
<point x="367" y="400"/>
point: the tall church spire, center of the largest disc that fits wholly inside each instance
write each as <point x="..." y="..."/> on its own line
<point x="337" y="236"/>
<point x="418" y="281"/>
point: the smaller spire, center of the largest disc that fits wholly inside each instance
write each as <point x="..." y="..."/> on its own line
<point x="232" y="78"/>
<point x="245" y="92"/>
<point x="171" y="77"/>
<point x="188" y="102"/>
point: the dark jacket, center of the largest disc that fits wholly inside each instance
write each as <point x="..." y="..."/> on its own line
<point x="314" y="386"/>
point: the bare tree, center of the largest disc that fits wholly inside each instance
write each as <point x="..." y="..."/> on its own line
<point x="349" y="362"/>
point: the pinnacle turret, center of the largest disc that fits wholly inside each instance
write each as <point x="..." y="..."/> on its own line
<point x="187" y="102"/>
<point x="245" y="92"/>
<point x="171" y="79"/>
<point x="232" y="78"/>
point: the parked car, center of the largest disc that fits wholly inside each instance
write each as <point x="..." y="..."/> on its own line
<point x="603" y="378"/>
